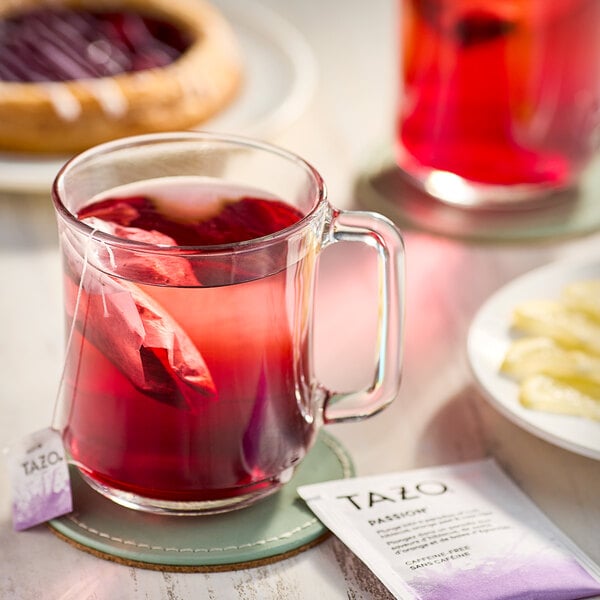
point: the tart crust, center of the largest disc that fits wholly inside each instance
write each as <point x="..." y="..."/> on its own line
<point x="67" y="117"/>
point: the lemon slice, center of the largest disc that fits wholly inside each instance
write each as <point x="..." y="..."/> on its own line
<point x="584" y="296"/>
<point x="544" y="393"/>
<point x="542" y="355"/>
<point x="572" y="328"/>
<point x="557" y="363"/>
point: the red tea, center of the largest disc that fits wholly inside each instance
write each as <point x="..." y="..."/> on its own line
<point x="499" y="92"/>
<point x="185" y="364"/>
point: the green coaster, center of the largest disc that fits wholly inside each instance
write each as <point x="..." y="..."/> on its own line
<point x="276" y="527"/>
<point x="382" y="187"/>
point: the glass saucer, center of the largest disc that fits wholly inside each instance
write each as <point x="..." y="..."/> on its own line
<point x="381" y="186"/>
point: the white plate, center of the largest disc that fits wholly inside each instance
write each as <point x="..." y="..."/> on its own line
<point x="280" y="79"/>
<point x="490" y="336"/>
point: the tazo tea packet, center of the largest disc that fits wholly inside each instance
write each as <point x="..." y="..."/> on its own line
<point x="460" y="532"/>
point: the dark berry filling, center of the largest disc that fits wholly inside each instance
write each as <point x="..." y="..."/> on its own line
<point x="52" y="44"/>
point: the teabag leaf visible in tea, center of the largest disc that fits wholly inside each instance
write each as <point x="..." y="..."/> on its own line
<point x="137" y="335"/>
<point x="161" y="269"/>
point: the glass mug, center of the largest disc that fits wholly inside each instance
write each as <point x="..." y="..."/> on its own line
<point x="500" y="99"/>
<point x="189" y="384"/>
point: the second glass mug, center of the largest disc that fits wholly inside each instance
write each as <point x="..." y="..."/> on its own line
<point x="500" y="99"/>
<point x="189" y="383"/>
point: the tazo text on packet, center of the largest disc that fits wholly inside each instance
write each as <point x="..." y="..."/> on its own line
<point x="458" y="532"/>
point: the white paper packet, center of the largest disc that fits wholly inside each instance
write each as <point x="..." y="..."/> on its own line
<point x="457" y="532"/>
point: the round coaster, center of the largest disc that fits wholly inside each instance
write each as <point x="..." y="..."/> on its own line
<point x="274" y="528"/>
<point x="382" y="187"/>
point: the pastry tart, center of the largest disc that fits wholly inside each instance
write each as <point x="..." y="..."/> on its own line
<point x="74" y="73"/>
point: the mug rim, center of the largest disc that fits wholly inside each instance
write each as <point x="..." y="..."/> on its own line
<point x="232" y="139"/>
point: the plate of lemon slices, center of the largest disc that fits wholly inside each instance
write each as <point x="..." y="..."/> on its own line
<point x="534" y="347"/>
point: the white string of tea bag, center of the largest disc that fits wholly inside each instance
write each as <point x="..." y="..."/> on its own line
<point x="84" y="267"/>
<point x="113" y="264"/>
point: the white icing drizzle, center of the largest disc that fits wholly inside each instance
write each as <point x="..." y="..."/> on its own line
<point x="109" y="95"/>
<point x="106" y="91"/>
<point x="65" y="103"/>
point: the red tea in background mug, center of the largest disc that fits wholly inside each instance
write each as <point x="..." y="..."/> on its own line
<point x="500" y="99"/>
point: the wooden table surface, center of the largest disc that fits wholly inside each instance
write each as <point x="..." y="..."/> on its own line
<point x="440" y="415"/>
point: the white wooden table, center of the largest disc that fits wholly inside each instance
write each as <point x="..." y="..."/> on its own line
<point x="440" y="415"/>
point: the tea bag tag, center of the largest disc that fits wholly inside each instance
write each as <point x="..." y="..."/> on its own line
<point x="39" y="476"/>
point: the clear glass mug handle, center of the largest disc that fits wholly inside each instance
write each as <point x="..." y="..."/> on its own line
<point x="378" y="232"/>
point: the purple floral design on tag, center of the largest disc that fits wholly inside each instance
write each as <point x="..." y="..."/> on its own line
<point x="40" y="479"/>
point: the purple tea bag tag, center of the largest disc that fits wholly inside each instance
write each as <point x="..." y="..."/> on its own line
<point x="39" y="476"/>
